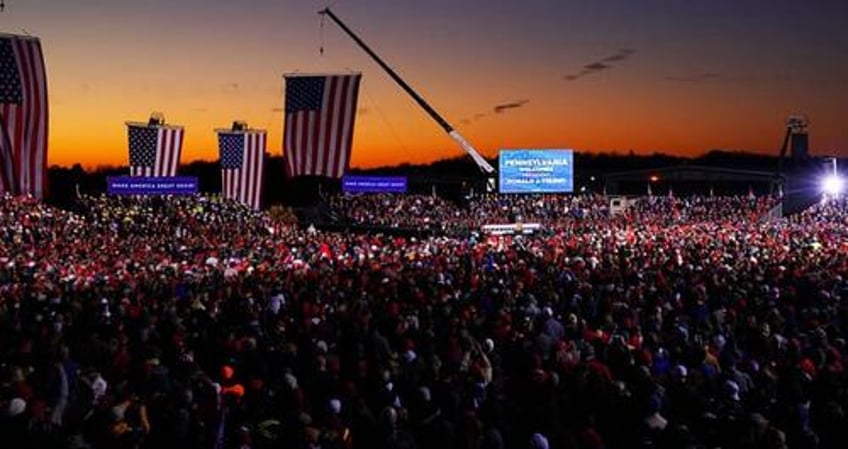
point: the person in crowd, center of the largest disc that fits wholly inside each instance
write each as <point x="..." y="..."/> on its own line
<point x="195" y="322"/>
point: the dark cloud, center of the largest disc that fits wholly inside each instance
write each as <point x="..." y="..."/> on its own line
<point x="595" y="66"/>
<point x="476" y="117"/>
<point x="511" y="105"/>
<point x="575" y="76"/>
<point x="497" y="109"/>
<point x="622" y="54"/>
<point x="696" y="78"/>
<point x="602" y="64"/>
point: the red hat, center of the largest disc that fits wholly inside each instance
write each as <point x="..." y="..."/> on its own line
<point x="808" y="367"/>
<point x="236" y="390"/>
<point x="227" y="372"/>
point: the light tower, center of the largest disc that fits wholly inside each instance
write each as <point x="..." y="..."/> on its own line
<point x="832" y="184"/>
<point x="797" y="125"/>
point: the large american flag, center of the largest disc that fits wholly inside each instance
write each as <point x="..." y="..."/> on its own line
<point x="23" y="116"/>
<point x="154" y="150"/>
<point x="242" y="164"/>
<point x="320" y="112"/>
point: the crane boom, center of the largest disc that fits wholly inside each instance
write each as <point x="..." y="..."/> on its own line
<point x="450" y="130"/>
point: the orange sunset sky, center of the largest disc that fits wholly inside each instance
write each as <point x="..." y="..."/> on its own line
<point x="606" y="75"/>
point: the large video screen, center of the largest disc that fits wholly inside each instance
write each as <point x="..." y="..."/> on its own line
<point x="536" y="171"/>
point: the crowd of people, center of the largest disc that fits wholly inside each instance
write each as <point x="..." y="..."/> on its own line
<point x="693" y="322"/>
<point x="557" y="212"/>
<point x="433" y="213"/>
<point x="424" y="212"/>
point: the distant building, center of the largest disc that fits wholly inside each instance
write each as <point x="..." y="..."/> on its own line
<point x="690" y="179"/>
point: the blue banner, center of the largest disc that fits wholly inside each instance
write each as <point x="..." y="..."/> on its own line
<point x="536" y="171"/>
<point x="131" y="185"/>
<point x="374" y="184"/>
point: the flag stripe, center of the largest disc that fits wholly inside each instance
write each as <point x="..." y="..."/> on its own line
<point x="20" y="144"/>
<point x="324" y="136"/>
<point x="27" y="111"/>
<point x="347" y="130"/>
<point x="250" y="172"/>
<point x="303" y="131"/>
<point x="10" y="182"/>
<point x="288" y="142"/>
<point x="37" y="144"/>
<point x="176" y="144"/>
<point x="338" y="124"/>
<point x="7" y="175"/>
<point x="244" y="173"/>
<point x="170" y="153"/>
<point x="41" y="157"/>
<point x="253" y="142"/>
<point x="36" y="157"/>
<point x="260" y="170"/>
<point x="335" y="110"/>
<point x="24" y="122"/>
<point x="310" y="133"/>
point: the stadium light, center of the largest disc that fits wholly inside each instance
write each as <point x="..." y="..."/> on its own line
<point x="833" y="185"/>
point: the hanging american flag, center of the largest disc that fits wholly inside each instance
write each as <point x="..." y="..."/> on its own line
<point x="242" y="164"/>
<point x="320" y="111"/>
<point x="154" y="150"/>
<point x="23" y="116"/>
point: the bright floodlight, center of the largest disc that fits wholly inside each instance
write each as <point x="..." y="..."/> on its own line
<point x="833" y="185"/>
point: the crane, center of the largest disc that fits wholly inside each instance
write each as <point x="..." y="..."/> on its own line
<point x="481" y="162"/>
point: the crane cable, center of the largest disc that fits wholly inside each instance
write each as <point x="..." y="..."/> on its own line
<point x="365" y="90"/>
<point x="330" y="3"/>
<point x="321" y="49"/>
<point x="385" y="120"/>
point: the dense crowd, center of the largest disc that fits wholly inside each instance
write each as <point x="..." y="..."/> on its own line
<point x="557" y="212"/>
<point x="426" y="212"/>
<point x="429" y="212"/>
<point x="680" y="323"/>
